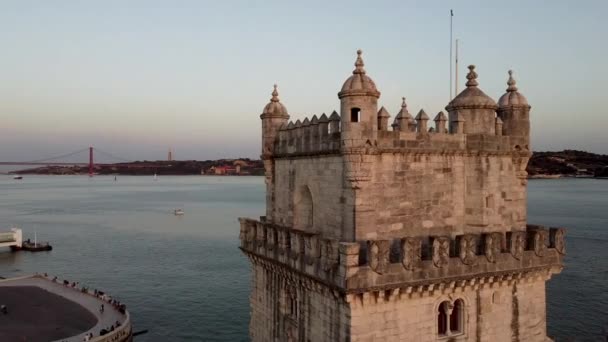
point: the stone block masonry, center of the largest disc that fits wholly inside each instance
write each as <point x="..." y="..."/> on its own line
<point x="418" y="233"/>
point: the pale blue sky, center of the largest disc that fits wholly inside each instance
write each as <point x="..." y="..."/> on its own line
<point x="135" y="77"/>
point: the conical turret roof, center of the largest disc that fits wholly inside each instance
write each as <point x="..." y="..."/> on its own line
<point x="472" y="96"/>
<point x="359" y="83"/>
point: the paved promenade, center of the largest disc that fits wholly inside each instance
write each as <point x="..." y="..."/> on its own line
<point x="64" y="314"/>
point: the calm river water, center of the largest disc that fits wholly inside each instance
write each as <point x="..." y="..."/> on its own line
<point x="184" y="278"/>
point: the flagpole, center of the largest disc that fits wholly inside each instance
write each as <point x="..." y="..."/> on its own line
<point x="451" y="17"/>
<point x="456" y="71"/>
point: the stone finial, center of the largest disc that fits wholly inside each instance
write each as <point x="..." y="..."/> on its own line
<point x="306" y="122"/>
<point x="298" y="124"/>
<point x="359" y="64"/>
<point x="334" y="122"/>
<point x="511" y="82"/>
<point x="383" y="113"/>
<point x="422" y="116"/>
<point x="291" y="125"/>
<point x="314" y="120"/>
<point x="472" y="77"/>
<point x="275" y="94"/>
<point x="440" y="120"/>
<point x="421" y="120"/>
<point x="334" y="116"/>
<point x="440" y="117"/>
<point x="323" y="118"/>
<point x="403" y="105"/>
<point x="383" y="116"/>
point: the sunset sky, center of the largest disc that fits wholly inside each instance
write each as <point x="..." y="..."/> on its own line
<point x="137" y="77"/>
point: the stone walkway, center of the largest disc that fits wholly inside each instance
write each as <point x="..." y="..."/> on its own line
<point x="89" y="302"/>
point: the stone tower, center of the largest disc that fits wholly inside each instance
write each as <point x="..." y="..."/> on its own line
<point x="412" y="234"/>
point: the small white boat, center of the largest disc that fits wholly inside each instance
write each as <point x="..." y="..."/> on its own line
<point x="155" y="177"/>
<point x="17" y="177"/>
<point x="178" y="211"/>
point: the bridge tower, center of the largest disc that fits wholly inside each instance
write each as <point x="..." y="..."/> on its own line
<point x="91" y="161"/>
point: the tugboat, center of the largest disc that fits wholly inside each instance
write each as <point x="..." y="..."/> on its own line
<point x="17" y="177"/>
<point x="178" y="212"/>
<point x="35" y="246"/>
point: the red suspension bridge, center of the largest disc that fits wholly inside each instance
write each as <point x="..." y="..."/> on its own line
<point x="62" y="160"/>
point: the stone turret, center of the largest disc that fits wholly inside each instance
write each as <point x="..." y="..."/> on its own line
<point x="358" y="108"/>
<point x="273" y="117"/>
<point x="514" y="110"/>
<point x="474" y="107"/>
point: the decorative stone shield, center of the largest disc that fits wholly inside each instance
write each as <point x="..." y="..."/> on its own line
<point x="312" y="249"/>
<point x="517" y="244"/>
<point x="250" y="233"/>
<point x="441" y="251"/>
<point x="330" y="257"/>
<point x="492" y="246"/>
<point x="557" y="240"/>
<point x="540" y="243"/>
<point x="411" y="249"/>
<point x="271" y="240"/>
<point x="296" y="245"/>
<point x="467" y="248"/>
<point x="378" y="255"/>
<point x="283" y="241"/>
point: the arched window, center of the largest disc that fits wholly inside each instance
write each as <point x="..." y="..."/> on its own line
<point x="450" y="318"/>
<point x="456" y="317"/>
<point x="442" y="319"/>
<point x="355" y="114"/>
<point x="303" y="209"/>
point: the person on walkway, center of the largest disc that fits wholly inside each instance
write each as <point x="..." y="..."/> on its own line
<point x="101" y="308"/>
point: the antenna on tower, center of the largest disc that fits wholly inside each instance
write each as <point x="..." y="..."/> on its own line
<point x="456" y="71"/>
<point x="451" y="40"/>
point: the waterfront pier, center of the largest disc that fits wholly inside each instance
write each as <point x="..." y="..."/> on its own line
<point x="14" y="238"/>
<point x="69" y="312"/>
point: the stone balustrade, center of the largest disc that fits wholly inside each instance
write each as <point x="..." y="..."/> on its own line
<point x="383" y="264"/>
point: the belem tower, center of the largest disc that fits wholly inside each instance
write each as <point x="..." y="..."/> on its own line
<point x="413" y="232"/>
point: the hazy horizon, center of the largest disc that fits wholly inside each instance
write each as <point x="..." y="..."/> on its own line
<point x="138" y="78"/>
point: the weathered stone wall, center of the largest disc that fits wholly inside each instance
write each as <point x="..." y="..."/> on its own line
<point x="285" y="308"/>
<point x="507" y="311"/>
<point x="416" y="194"/>
<point x="322" y="177"/>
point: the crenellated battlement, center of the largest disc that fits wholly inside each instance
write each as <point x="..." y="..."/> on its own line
<point x="409" y="261"/>
<point x="322" y="135"/>
<point x="311" y="136"/>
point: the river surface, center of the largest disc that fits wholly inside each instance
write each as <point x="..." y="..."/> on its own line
<point x="183" y="277"/>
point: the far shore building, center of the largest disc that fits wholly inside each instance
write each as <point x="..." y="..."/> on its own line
<point x="413" y="232"/>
